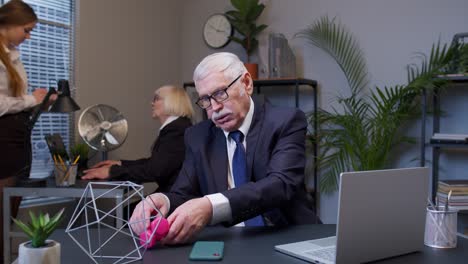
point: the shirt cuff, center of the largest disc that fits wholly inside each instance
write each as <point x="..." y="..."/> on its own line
<point x="221" y="208"/>
<point x="168" y="202"/>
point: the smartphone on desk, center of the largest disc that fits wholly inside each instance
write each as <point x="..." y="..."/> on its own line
<point x="207" y="250"/>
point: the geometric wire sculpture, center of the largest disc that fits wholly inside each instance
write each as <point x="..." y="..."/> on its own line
<point x="105" y="231"/>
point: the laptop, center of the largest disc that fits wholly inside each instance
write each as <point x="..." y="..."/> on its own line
<point x="381" y="214"/>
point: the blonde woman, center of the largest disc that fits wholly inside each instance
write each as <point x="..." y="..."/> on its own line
<point x="171" y="106"/>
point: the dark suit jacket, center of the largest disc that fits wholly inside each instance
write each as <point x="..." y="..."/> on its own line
<point x="275" y="161"/>
<point x="165" y="162"/>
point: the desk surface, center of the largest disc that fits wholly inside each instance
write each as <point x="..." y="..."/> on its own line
<point x="255" y="245"/>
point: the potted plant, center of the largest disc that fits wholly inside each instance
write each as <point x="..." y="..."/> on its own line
<point x="363" y="129"/>
<point x="39" y="250"/>
<point x="243" y="20"/>
<point x="80" y="153"/>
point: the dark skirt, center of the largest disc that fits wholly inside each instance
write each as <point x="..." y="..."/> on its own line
<point x="15" y="146"/>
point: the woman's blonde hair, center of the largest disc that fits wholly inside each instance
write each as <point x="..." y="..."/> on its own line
<point x="14" y="13"/>
<point x="176" y="101"/>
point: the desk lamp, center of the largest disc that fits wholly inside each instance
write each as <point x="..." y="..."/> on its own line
<point x="64" y="102"/>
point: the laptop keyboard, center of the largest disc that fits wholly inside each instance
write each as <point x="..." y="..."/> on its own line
<point x="327" y="253"/>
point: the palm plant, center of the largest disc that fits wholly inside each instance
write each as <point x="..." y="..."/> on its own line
<point x="362" y="130"/>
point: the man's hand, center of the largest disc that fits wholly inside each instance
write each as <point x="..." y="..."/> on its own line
<point x="145" y="208"/>
<point x="187" y="220"/>
<point x="101" y="173"/>
<point x="107" y="163"/>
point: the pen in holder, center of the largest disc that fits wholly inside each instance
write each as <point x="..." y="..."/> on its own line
<point x="441" y="227"/>
<point x="64" y="173"/>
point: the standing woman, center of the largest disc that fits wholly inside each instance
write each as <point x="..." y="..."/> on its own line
<point x="17" y="20"/>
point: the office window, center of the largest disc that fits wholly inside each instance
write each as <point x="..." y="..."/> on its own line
<point x="47" y="57"/>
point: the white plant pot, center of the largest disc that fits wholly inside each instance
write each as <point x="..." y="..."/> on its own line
<point x="49" y="254"/>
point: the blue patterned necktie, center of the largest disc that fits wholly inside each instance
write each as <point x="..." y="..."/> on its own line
<point x="239" y="169"/>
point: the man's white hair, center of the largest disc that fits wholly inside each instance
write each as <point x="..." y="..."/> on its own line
<point x="224" y="62"/>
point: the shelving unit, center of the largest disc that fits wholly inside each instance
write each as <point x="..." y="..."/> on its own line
<point x="296" y="82"/>
<point x="437" y="147"/>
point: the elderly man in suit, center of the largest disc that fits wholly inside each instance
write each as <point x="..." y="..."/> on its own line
<point x="244" y="166"/>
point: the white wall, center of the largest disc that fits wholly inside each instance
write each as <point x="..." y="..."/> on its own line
<point x="389" y="32"/>
<point x="125" y="50"/>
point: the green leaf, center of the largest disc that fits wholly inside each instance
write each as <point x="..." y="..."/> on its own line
<point x="46" y="219"/>
<point x="26" y="229"/>
<point x="236" y="39"/>
<point x="41" y="220"/>
<point x="233" y="16"/>
<point x="34" y="220"/>
<point x="259" y="29"/>
<point x="239" y="4"/>
<point x="255" y="12"/>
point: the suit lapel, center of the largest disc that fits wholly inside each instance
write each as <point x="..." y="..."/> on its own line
<point x="176" y="123"/>
<point x="253" y="135"/>
<point x="161" y="133"/>
<point x="219" y="160"/>
<point x="156" y="141"/>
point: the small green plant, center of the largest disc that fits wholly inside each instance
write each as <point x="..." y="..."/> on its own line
<point x="79" y="149"/>
<point x="40" y="227"/>
<point x="243" y="20"/>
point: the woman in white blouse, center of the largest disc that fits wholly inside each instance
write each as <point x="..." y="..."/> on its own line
<point x="17" y="20"/>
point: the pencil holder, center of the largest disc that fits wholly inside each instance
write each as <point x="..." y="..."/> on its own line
<point x="65" y="175"/>
<point x="441" y="228"/>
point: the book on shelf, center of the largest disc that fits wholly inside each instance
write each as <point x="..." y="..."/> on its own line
<point x="459" y="196"/>
<point x="456" y="186"/>
<point x="449" y="138"/>
<point x="454" y="205"/>
<point x="452" y="75"/>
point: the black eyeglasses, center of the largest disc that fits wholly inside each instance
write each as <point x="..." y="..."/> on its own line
<point x="156" y="97"/>
<point x="219" y="96"/>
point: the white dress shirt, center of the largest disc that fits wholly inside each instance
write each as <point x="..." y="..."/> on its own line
<point x="169" y="120"/>
<point x="221" y="207"/>
<point x="8" y="103"/>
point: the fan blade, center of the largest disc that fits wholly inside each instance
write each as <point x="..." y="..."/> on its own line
<point x="101" y="115"/>
<point x="111" y="139"/>
<point x="119" y="130"/>
<point x="96" y="142"/>
<point x="119" y="122"/>
<point x="92" y="119"/>
<point x="92" y="133"/>
<point x="116" y="118"/>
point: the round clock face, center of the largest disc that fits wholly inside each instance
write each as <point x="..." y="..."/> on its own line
<point x="217" y="31"/>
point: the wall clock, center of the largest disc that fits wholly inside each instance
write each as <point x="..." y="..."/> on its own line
<point x="217" y="30"/>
